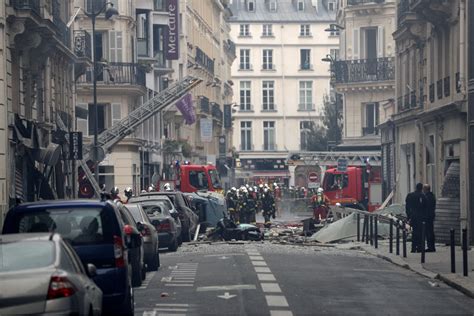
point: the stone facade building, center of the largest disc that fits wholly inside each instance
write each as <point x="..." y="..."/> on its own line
<point x="279" y="79"/>
<point x="430" y="124"/>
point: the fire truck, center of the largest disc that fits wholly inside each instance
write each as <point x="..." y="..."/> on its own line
<point x="107" y="139"/>
<point x="359" y="184"/>
<point x="193" y="178"/>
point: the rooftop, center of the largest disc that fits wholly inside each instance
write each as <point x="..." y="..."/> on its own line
<point x="286" y="11"/>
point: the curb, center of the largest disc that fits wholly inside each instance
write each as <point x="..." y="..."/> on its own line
<point x="456" y="285"/>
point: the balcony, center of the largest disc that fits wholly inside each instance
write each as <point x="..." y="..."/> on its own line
<point x="413" y="103"/>
<point x="115" y="74"/>
<point x="447" y="86"/>
<point x="82" y="44"/>
<point x="437" y="13"/>
<point x="400" y="104"/>
<point x="33" y="5"/>
<point x="364" y="70"/>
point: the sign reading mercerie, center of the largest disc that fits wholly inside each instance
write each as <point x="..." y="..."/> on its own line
<point x="171" y="34"/>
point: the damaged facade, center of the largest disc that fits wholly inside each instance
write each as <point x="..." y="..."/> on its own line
<point x="429" y="126"/>
<point x="37" y="74"/>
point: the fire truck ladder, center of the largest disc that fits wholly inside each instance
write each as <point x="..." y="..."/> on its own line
<point x="111" y="136"/>
<point x="330" y="158"/>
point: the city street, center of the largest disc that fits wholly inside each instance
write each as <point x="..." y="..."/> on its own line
<point x="273" y="279"/>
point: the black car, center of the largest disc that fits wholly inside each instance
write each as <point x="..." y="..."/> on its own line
<point x="98" y="234"/>
<point x="150" y="236"/>
<point x="189" y="219"/>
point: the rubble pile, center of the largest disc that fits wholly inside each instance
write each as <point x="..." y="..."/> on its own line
<point x="285" y="233"/>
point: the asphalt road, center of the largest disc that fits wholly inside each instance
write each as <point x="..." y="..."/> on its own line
<point x="270" y="279"/>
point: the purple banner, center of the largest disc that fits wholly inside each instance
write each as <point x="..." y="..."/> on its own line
<point x="171" y="35"/>
<point x="185" y="106"/>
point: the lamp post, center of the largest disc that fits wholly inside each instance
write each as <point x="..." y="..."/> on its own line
<point x="109" y="12"/>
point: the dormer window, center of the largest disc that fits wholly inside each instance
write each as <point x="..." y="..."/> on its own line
<point x="332" y="5"/>
<point x="272" y="6"/>
<point x="300" y="5"/>
<point x="251" y="5"/>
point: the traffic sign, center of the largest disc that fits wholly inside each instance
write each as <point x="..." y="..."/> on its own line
<point x="342" y="165"/>
<point x="313" y="177"/>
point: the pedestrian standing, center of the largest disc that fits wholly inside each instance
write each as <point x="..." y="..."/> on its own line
<point x="415" y="206"/>
<point x="430" y="217"/>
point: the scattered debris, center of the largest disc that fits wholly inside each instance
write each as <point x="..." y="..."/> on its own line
<point x="433" y="284"/>
<point x="164" y="294"/>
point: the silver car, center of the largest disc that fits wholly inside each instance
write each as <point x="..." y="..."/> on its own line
<point x="42" y="274"/>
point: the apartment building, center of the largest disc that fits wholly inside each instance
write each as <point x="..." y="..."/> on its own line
<point x="430" y="123"/>
<point x="279" y="79"/>
<point x="120" y="89"/>
<point x="37" y="84"/>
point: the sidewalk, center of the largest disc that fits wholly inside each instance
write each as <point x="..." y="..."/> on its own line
<point x="437" y="264"/>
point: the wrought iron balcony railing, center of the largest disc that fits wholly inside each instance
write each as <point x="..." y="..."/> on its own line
<point x="33" y="5"/>
<point x="358" y="2"/>
<point x="115" y="74"/>
<point x="364" y="70"/>
<point x="82" y="44"/>
<point x="413" y="103"/>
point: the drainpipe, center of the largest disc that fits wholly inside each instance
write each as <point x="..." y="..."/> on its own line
<point x="462" y="46"/>
<point x="470" y="116"/>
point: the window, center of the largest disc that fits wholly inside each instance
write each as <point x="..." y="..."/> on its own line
<point x="244" y="59"/>
<point x="334" y="52"/>
<point x="306" y="127"/>
<point x="246" y="135"/>
<point x="267" y="30"/>
<point x="332" y="5"/>
<point x="116" y="113"/>
<point x="305" y="30"/>
<point x="198" y="179"/>
<point x="245" y="96"/>
<point x="334" y="182"/>
<point x="101" y="118"/>
<point x="272" y="6"/>
<point x="244" y="30"/>
<point x="268" y="95"/>
<point x="334" y="30"/>
<point x="267" y="62"/>
<point x="115" y="46"/>
<point x="306" y="96"/>
<point x="371" y="119"/>
<point x="305" y="59"/>
<point x="251" y="5"/>
<point x="269" y="135"/>
<point x="300" y="5"/>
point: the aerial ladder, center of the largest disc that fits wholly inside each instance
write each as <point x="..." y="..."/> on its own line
<point x="113" y="135"/>
<point x="330" y="158"/>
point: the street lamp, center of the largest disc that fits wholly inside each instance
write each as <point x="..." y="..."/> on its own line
<point x="97" y="154"/>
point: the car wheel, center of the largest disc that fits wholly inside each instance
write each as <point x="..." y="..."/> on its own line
<point x="186" y="235"/>
<point x="154" y="263"/>
<point x="128" y="306"/>
<point x="174" y="245"/>
<point x="180" y="241"/>
<point x="136" y="274"/>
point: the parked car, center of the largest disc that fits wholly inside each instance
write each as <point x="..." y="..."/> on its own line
<point x="211" y="207"/>
<point x="97" y="233"/>
<point x="149" y="234"/>
<point x="42" y="274"/>
<point x="136" y="252"/>
<point x="163" y="215"/>
<point x="189" y="219"/>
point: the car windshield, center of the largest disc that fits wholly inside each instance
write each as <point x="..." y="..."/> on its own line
<point x="77" y="225"/>
<point x="162" y="207"/>
<point x="198" y="179"/>
<point x="24" y="255"/>
<point x="137" y="216"/>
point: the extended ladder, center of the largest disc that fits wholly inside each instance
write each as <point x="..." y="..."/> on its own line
<point x="330" y="158"/>
<point x="111" y="136"/>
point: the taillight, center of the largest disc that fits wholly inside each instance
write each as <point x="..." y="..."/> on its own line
<point x="164" y="227"/>
<point x="128" y="230"/>
<point x="60" y="286"/>
<point x="146" y="231"/>
<point x="118" y="252"/>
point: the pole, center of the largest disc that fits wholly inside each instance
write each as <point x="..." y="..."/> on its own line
<point x="397" y="248"/>
<point x="358" y="226"/>
<point x="464" y="252"/>
<point x="423" y="238"/>
<point x="453" y="251"/>
<point x="366" y="228"/>
<point x="390" y="239"/>
<point x="371" y="223"/>
<point x="96" y="111"/>
<point x="404" y="243"/>
<point x="376" y="232"/>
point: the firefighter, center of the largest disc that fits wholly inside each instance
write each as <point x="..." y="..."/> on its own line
<point x="268" y="206"/>
<point x="128" y="194"/>
<point x="319" y="202"/>
<point x="114" y="195"/>
<point x="241" y="204"/>
<point x="251" y="216"/>
<point x="232" y="205"/>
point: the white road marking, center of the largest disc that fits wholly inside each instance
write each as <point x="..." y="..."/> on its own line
<point x="149" y="313"/>
<point x="171" y="309"/>
<point x="270" y="287"/>
<point x="276" y="300"/>
<point x="256" y="258"/>
<point x="147" y="280"/>
<point x="262" y="270"/>
<point x="265" y="277"/>
<point x="179" y="284"/>
<point x="259" y="263"/>
<point x="226" y="296"/>
<point x="226" y="287"/>
<point x="281" y="313"/>
<point x="227" y="254"/>
<point x="181" y="281"/>
<point x="172" y="305"/>
<point x="170" y="314"/>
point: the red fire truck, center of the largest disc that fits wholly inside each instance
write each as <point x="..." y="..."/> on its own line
<point x="193" y="178"/>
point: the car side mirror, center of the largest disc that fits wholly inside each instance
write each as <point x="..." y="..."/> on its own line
<point x="156" y="222"/>
<point x="140" y="226"/>
<point x="91" y="270"/>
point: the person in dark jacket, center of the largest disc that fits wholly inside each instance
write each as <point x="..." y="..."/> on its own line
<point x="415" y="205"/>
<point x="430" y="217"/>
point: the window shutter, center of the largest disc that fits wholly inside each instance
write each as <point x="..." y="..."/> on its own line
<point x="116" y="46"/>
<point x="355" y="44"/>
<point x="116" y="113"/>
<point x="380" y="42"/>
